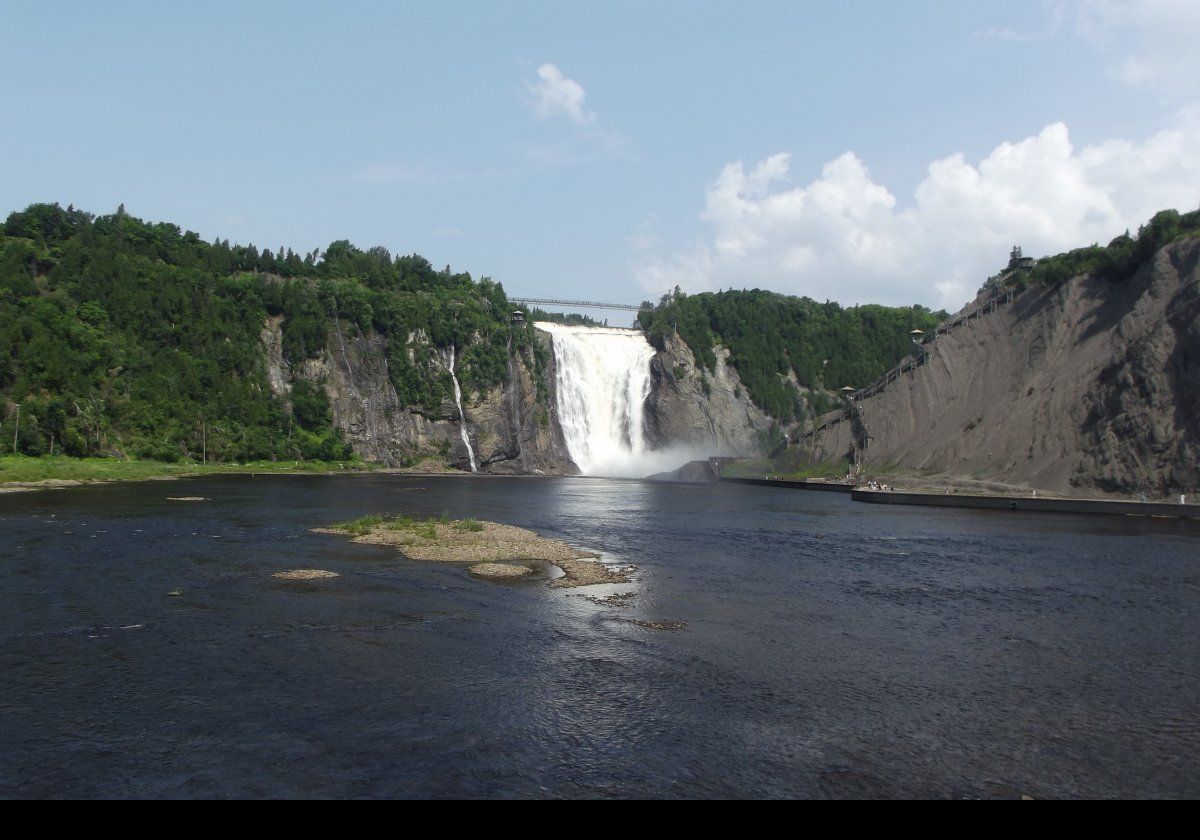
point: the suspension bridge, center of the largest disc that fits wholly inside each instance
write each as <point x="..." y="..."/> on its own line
<point x="586" y="304"/>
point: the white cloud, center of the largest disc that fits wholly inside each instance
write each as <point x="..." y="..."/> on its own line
<point x="1152" y="42"/>
<point x="554" y="95"/>
<point x="645" y="238"/>
<point x="843" y="236"/>
<point x="1055" y="13"/>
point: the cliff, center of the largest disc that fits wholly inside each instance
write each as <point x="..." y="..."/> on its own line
<point x="707" y="410"/>
<point x="510" y="427"/>
<point x="1087" y="387"/>
<point x="134" y="339"/>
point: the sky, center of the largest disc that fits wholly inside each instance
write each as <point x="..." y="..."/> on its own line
<point x="863" y="152"/>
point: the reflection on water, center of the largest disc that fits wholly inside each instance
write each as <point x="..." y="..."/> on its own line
<point x="828" y="651"/>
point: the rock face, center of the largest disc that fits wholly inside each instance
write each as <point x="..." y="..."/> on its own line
<point x="693" y="472"/>
<point x="517" y="433"/>
<point x="1088" y="388"/>
<point x="513" y="428"/>
<point x="510" y="428"/>
<point x="691" y="406"/>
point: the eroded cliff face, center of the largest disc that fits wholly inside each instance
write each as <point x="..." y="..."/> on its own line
<point x="516" y="432"/>
<point x="511" y="429"/>
<point x="1087" y="388"/>
<point x="706" y="410"/>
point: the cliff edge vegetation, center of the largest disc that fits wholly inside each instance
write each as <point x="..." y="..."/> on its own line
<point x="790" y="353"/>
<point x="138" y="340"/>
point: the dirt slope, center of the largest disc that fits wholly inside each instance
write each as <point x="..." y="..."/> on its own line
<point x="1088" y="388"/>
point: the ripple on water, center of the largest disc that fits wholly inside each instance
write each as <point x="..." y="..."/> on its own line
<point x="828" y="650"/>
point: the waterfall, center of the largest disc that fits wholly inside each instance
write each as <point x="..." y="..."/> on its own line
<point x="603" y="379"/>
<point x="462" y="418"/>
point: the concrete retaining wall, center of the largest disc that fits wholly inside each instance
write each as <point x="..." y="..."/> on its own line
<point x="880" y="497"/>
<point x="827" y="486"/>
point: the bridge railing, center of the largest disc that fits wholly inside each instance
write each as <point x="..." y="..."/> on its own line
<point x="587" y="304"/>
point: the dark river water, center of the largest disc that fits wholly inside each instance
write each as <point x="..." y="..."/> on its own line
<point x="831" y="649"/>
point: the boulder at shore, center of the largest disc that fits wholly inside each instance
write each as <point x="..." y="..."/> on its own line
<point x="693" y="472"/>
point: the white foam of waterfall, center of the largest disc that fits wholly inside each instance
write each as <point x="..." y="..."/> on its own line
<point x="602" y="378"/>
<point x="462" y="418"/>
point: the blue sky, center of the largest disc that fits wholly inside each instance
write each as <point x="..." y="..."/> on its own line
<point x="864" y="151"/>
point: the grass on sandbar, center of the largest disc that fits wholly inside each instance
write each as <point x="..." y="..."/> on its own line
<point x="422" y="526"/>
<point x="359" y="527"/>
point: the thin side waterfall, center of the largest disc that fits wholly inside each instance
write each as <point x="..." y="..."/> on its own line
<point x="603" y="379"/>
<point x="462" y="418"/>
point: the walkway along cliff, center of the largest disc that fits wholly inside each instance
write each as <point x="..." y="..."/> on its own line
<point x="1090" y="387"/>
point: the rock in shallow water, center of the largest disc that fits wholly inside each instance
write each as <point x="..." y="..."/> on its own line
<point x="499" y="570"/>
<point x="305" y="574"/>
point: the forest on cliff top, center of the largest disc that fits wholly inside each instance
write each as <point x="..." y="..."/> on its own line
<point x="125" y="337"/>
<point x="120" y="336"/>
<point x="778" y="342"/>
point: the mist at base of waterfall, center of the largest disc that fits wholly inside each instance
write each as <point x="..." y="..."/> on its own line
<point x="650" y="462"/>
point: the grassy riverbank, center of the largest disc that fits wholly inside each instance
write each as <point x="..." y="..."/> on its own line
<point x="761" y="467"/>
<point x="54" y="469"/>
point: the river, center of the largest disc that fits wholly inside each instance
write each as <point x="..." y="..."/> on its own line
<point x="829" y="649"/>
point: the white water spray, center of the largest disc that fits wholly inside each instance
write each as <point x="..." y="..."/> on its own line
<point x="603" y="379"/>
<point x="462" y="418"/>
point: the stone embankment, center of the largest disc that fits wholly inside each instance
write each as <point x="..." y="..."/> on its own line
<point x="1032" y="503"/>
<point x="1042" y="504"/>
